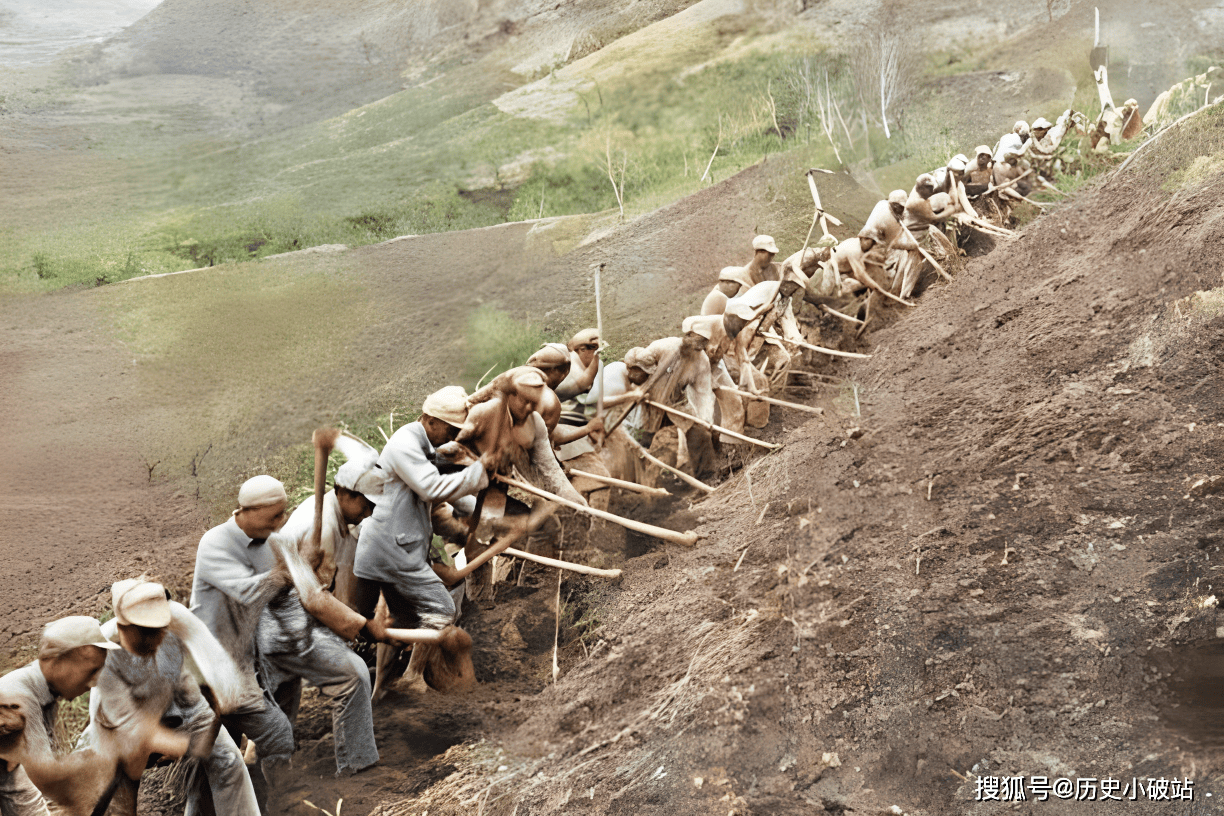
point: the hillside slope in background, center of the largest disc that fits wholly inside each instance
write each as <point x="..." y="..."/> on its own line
<point x="226" y="130"/>
<point x="998" y="559"/>
<point x="991" y="555"/>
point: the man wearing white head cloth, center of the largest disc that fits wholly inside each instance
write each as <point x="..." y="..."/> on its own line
<point x="393" y="550"/>
<point x="358" y="484"/>
<point x="236" y="574"/>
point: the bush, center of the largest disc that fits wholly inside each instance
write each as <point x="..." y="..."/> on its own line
<point x="497" y="342"/>
<point x="574" y="185"/>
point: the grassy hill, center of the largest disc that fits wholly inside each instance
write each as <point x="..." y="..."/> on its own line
<point x="162" y="151"/>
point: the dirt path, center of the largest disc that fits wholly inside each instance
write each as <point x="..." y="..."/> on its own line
<point x="78" y="507"/>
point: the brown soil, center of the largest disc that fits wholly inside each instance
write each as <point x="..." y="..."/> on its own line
<point x="1086" y="654"/>
<point x="869" y="621"/>
<point x="79" y="510"/>
<point x="850" y="597"/>
<point x="148" y="450"/>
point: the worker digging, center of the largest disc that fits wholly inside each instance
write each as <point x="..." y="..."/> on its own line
<point x="382" y="564"/>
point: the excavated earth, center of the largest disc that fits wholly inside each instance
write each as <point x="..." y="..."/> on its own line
<point x="986" y="558"/>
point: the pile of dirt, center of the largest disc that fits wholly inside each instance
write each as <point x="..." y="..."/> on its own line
<point x="1001" y="565"/>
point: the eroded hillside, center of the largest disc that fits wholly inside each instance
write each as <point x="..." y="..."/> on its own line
<point x="994" y="558"/>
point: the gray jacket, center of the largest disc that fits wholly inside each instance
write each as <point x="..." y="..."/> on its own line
<point x="394" y="543"/>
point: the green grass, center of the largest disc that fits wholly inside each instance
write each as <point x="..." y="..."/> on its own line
<point x="1189" y="155"/>
<point x="400" y="165"/>
<point x="497" y="342"/>
<point x="70" y="721"/>
<point x="444" y="157"/>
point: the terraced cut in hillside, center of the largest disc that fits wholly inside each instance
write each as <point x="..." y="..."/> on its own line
<point x="994" y="555"/>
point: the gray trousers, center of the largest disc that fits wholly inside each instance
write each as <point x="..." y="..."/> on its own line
<point x="332" y="667"/>
<point x="18" y="796"/>
<point x="228" y="780"/>
<point x="267" y="727"/>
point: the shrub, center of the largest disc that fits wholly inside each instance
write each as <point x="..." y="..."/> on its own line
<point x="497" y="342"/>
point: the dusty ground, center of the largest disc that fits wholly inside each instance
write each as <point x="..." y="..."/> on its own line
<point x="79" y="509"/>
<point x="1050" y="409"/>
<point x="1004" y="575"/>
<point x="106" y="383"/>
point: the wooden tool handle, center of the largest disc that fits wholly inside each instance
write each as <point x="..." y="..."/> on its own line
<point x="688" y="539"/>
<point x="565" y="565"/>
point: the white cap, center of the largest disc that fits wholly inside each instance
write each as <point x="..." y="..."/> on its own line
<point x="350" y="473"/>
<point x="741" y="309"/>
<point x="66" y="634"/>
<point x="766" y="243"/>
<point x="358" y="473"/>
<point x="584" y="338"/>
<point x="140" y="603"/>
<point x="550" y="355"/>
<point x="448" y="404"/>
<point x="1041" y="124"/>
<point x="699" y="325"/>
<point x="261" y="491"/>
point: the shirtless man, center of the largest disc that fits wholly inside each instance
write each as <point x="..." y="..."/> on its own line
<point x="890" y="242"/>
<point x="718" y="344"/>
<point x="553" y="361"/>
<point x="867" y="255"/>
<point x="979" y="172"/>
<point x="764" y="307"/>
<point x="674" y="371"/>
<point x="923" y="209"/>
<point x="575" y="437"/>
<point x="504" y="427"/>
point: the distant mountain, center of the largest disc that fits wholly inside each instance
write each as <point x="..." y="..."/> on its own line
<point x="324" y="57"/>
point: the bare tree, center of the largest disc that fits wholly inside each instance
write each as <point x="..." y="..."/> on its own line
<point x="886" y="62"/>
<point x="717" y="145"/>
<point x="825" y="107"/>
<point x="619" y="190"/>
<point x="814" y="97"/>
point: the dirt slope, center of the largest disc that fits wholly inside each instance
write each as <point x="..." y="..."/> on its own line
<point x="79" y="509"/>
<point x="212" y="374"/>
<point x="1004" y="575"/>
